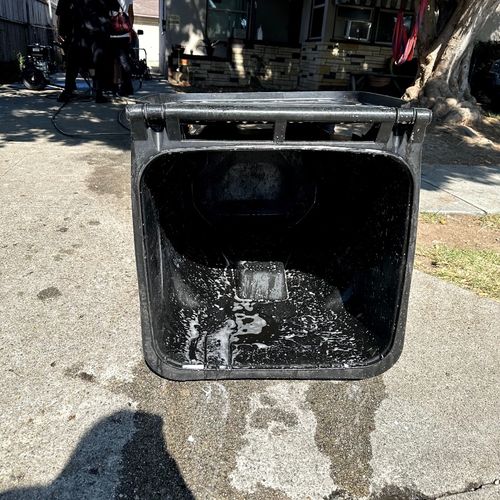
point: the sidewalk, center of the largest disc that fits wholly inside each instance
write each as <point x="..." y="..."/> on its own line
<point x="82" y="417"/>
<point x="464" y="189"/>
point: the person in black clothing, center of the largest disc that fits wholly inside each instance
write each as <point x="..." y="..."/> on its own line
<point x="121" y="44"/>
<point x="84" y="28"/>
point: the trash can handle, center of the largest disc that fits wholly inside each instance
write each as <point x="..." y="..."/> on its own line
<point x="280" y="112"/>
<point x="322" y="113"/>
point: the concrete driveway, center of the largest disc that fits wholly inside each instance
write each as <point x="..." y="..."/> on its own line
<point x="82" y="417"/>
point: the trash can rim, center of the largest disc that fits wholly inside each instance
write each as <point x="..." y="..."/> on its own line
<point x="211" y="146"/>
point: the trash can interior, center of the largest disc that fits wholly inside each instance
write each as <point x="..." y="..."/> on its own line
<point x="272" y="259"/>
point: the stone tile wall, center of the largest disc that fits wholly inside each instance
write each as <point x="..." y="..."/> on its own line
<point x="273" y="67"/>
<point x="326" y="65"/>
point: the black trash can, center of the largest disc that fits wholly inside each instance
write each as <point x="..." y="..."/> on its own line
<point x="274" y="232"/>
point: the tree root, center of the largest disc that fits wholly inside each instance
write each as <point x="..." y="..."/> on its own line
<point x="453" y="111"/>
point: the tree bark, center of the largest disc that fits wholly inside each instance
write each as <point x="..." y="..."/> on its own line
<point x="444" y="61"/>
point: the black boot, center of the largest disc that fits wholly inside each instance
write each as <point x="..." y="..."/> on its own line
<point x="65" y="96"/>
<point x="99" y="97"/>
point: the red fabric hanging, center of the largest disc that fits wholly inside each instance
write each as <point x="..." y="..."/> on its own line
<point x="403" y="46"/>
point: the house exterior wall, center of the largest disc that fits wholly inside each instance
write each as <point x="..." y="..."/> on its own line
<point x="318" y="63"/>
<point x="150" y="40"/>
<point x="326" y="63"/>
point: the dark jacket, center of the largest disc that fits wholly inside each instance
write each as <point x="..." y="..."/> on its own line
<point x="82" y="18"/>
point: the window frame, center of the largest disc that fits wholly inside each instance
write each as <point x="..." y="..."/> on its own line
<point x="375" y="20"/>
<point x="322" y="5"/>
<point x="250" y="36"/>
<point x="354" y="40"/>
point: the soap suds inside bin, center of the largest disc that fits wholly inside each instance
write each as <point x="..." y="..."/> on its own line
<point x="240" y="333"/>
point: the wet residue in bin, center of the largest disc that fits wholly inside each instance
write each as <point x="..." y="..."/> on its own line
<point x="311" y="328"/>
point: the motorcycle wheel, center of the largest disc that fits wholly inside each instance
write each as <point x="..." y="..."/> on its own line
<point x="34" y="79"/>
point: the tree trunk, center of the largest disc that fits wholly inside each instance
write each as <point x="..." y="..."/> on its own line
<point x="444" y="61"/>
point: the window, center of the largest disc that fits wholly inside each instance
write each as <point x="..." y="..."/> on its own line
<point x="227" y="19"/>
<point x="317" y="17"/>
<point x="353" y="23"/>
<point x="276" y="21"/>
<point x="386" y="22"/>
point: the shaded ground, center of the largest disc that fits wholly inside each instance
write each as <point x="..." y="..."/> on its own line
<point x="463" y="145"/>
<point x="461" y="170"/>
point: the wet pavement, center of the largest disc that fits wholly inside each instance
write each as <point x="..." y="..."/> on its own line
<point x="82" y="417"/>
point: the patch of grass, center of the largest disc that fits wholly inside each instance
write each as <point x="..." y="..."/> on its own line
<point x="432" y="218"/>
<point x="491" y="221"/>
<point x="477" y="270"/>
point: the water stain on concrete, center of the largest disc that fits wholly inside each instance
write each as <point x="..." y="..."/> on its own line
<point x="63" y="252"/>
<point x="391" y="492"/>
<point x="262" y="417"/>
<point x="262" y="493"/>
<point x="111" y="175"/>
<point x="345" y="413"/>
<point x="203" y="426"/>
<point x="49" y="293"/>
<point x="76" y="371"/>
<point x="280" y="451"/>
<point x="87" y="377"/>
<point x="267" y="400"/>
<point x="106" y="181"/>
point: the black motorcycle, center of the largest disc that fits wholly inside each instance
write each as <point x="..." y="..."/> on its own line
<point x="39" y="64"/>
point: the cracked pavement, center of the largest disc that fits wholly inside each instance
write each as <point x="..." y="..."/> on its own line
<point x="82" y="417"/>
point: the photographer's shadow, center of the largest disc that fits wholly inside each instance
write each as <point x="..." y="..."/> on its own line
<point x="122" y="456"/>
